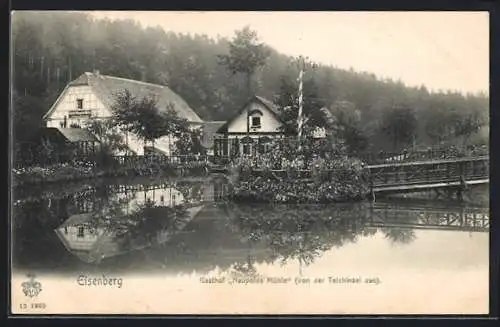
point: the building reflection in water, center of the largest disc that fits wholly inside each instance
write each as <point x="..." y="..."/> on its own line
<point x="84" y="240"/>
<point x="93" y="236"/>
<point x="236" y="237"/>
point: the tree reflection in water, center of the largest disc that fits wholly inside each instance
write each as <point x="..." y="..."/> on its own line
<point x="296" y="232"/>
<point x="399" y="235"/>
<point x="146" y="224"/>
<point x="226" y="235"/>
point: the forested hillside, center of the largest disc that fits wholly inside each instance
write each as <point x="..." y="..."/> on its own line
<point x="52" y="48"/>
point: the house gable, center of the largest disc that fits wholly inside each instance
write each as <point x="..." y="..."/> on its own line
<point x="67" y="105"/>
<point x="266" y="119"/>
<point x="104" y="88"/>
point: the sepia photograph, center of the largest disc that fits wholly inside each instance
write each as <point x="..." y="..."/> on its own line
<point x="239" y="162"/>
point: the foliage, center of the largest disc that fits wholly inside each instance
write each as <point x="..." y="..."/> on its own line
<point x="399" y="125"/>
<point x="142" y="224"/>
<point x="399" y="235"/>
<point x="188" y="142"/>
<point x="111" y="141"/>
<point x="143" y="118"/>
<point x="345" y="125"/>
<point x="277" y="176"/>
<point x="55" y="172"/>
<point x="466" y="126"/>
<point x="245" y="56"/>
<point x="52" y="48"/>
<point x="298" y="232"/>
<point x="287" y="100"/>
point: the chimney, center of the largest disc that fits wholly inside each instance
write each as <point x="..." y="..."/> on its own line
<point x="96" y="72"/>
<point x="143" y="76"/>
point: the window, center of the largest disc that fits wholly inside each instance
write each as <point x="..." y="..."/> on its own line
<point x="247" y="148"/>
<point x="264" y="148"/>
<point x="255" y="121"/>
<point x="79" y="103"/>
<point x="81" y="231"/>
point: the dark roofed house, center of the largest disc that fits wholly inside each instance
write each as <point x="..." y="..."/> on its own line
<point x="77" y="135"/>
<point x="66" y="143"/>
<point x="251" y="129"/>
<point x="209" y="133"/>
<point x="92" y="95"/>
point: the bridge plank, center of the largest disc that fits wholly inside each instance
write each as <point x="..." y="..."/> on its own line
<point x="395" y="188"/>
<point x="432" y="227"/>
<point x="427" y="162"/>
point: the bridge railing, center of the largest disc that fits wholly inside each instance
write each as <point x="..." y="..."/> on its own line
<point x="414" y="216"/>
<point x="473" y="169"/>
<point x="420" y="155"/>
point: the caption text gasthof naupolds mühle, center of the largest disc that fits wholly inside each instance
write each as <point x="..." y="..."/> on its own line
<point x="333" y="280"/>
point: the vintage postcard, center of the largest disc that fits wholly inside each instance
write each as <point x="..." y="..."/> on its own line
<point x="249" y="162"/>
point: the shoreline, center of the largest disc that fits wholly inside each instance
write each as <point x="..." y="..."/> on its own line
<point x="37" y="176"/>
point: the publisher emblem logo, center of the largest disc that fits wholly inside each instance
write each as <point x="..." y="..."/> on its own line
<point x="31" y="287"/>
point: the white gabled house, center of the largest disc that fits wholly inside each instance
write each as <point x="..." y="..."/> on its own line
<point x="253" y="129"/>
<point x="254" y="126"/>
<point x="91" y="95"/>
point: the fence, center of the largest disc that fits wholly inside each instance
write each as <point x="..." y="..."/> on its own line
<point x="122" y="161"/>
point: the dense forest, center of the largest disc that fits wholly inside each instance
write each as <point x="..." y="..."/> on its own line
<point x="52" y="48"/>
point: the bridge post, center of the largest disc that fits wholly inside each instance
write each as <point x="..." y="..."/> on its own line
<point x="372" y="193"/>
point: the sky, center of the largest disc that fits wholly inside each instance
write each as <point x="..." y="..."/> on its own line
<point x="441" y="50"/>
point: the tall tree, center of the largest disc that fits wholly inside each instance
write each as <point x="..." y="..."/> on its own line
<point x="399" y="125"/>
<point x="287" y="101"/>
<point x="468" y="124"/>
<point x="246" y="55"/>
<point x="346" y="124"/>
<point x="144" y="119"/>
<point x="48" y="47"/>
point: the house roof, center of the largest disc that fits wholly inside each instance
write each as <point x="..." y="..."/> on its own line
<point x="77" y="220"/>
<point x="267" y="103"/>
<point x="106" y="245"/>
<point x="75" y="135"/>
<point x="209" y="130"/>
<point x="106" y="87"/>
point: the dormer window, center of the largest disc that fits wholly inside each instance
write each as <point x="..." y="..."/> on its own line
<point x="256" y="121"/>
<point x="79" y="103"/>
<point x="255" y="118"/>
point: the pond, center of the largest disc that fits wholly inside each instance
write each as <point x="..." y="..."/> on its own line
<point x="185" y="229"/>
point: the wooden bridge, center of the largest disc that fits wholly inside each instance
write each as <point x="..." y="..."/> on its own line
<point x="446" y="171"/>
<point x="414" y="216"/>
<point x="451" y="175"/>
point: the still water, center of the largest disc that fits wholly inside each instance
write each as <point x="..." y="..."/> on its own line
<point x="185" y="228"/>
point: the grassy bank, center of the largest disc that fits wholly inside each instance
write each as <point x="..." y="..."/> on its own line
<point x="75" y="171"/>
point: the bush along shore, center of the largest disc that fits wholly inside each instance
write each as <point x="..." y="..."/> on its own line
<point x="80" y="170"/>
<point x="278" y="178"/>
